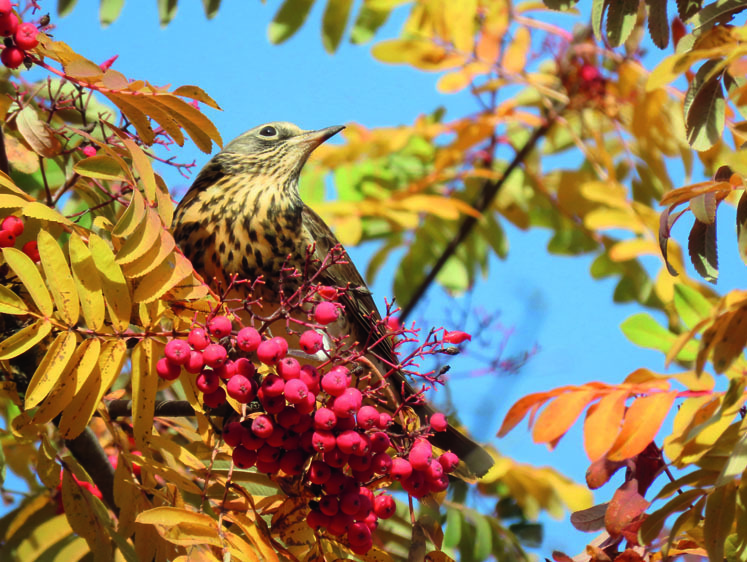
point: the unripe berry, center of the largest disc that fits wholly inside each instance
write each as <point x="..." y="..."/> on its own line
<point x="269" y="352"/>
<point x="244" y="458"/>
<point x="288" y="417"/>
<point x="195" y="363"/>
<point x="262" y="426"/>
<point x="215" y="398"/>
<point x="215" y="355"/>
<point x="296" y="391"/>
<point x="348" y="404"/>
<point x="177" y="352"/>
<point x="449" y="461"/>
<point x="248" y="339"/>
<point x="381" y="463"/>
<point x="359" y="534"/>
<point x="311" y="342"/>
<point x="324" y="418"/>
<point x="7" y="239"/>
<point x="379" y="442"/>
<point x="31" y="249"/>
<point x="219" y="327"/>
<point x="319" y="472"/>
<point x="233" y="433"/>
<point x="8" y="26"/>
<point x="26" y="36"/>
<point x="335" y="382"/>
<point x="13" y="224"/>
<point x="198" y="339"/>
<point x="384" y="506"/>
<point x="325" y="313"/>
<point x="289" y="368"/>
<point x="401" y="469"/>
<point x="167" y="370"/>
<point x="240" y="389"/>
<point x="207" y="382"/>
<point x="316" y="519"/>
<point x="323" y="441"/>
<point x="329" y="505"/>
<point x="336" y="458"/>
<point x="415" y="485"/>
<point x="438" y="422"/>
<point x="367" y="417"/>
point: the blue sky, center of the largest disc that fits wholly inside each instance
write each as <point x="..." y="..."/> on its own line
<point x="549" y="300"/>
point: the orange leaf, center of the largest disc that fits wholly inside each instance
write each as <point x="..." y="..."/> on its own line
<point x="520" y="409"/>
<point x="642" y="422"/>
<point x="602" y="424"/>
<point x="560" y="414"/>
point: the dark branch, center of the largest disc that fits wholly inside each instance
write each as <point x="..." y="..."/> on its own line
<point x="163" y="409"/>
<point x="4" y="166"/>
<point x="88" y="452"/>
<point x="481" y="203"/>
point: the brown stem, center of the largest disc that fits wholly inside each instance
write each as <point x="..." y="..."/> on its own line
<point x="4" y="166"/>
<point x="481" y="203"/>
<point x="88" y="452"/>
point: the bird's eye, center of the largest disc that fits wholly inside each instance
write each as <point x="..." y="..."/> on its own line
<point x="268" y="131"/>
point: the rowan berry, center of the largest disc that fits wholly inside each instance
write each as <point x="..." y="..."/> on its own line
<point x="384" y="420"/>
<point x="340" y="524"/>
<point x="292" y="462"/>
<point x="335" y="458"/>
<point x="219" y="327"/>
<point x="325" y="313"/>
<point x="334" y="382"/>
<point x="307" y="405"/>
<point x="240" y="389"/>
<point x="449" y="461"/>
<point x="350" y="502"/>
<point x="273" y="404"/>
<point x="262" y="426"/>
<point x="5" y="7"/>
<point x="7" y="239"/>
<point x="367" y="417"/>
<point x="198" y="339"/>
<point x="310" y="376"/>
<point x="26" y="36"/>
<point x="440" y="484"/>
<point x="360" y="463"/>
<point x="438" y="422"/>
<point x="215" y="355"/>
<point x="384" y="506"/>
<point x="311" y="342"/>
<point x="233" y="433"/>
<point x="420" y="457"/>
<point x="359" y="534"/>
<point x="243" y="457"/>
<point x="31" y="249"/>
<point x="401" y="469"/>
<point x="268" y="467"/>
<point x="8" y="26"/>
<point x="89" y="151"/>
<point x="207" y="382"/>
<point x="248" y="339"/>
<point x="167" y="370"/>
<point x="349" y="441"/>
<point x="277" y="436"/>
<point x="434" y="471"/>
<point x="319" y="472"/>
<point x="347" y="405"/>
<point x="268" y="453"/>
<point x="283" y="344"/>
<point x="215" y="398"/>
<point x="288" y="417"/>
<point x="251" y="441"/>
<point x="269" y="352"/>
<point x="296" y="391"/>
<point x="177" y="352"/>
<point x="324" y="418"/>
<point x="381" y="463"/>
<point x="272" y="385"/>
<point x="195" y="363"/>
<point x="323" y="441"/>
<point x="13" y="224"/>
<point x="329" y="505"/>
<point x="415" y="485"/>
<point x="289" y="368"/>
<point x="245" y="367"/>
<point x="316" y="519"/>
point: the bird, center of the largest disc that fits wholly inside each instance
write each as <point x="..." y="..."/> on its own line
<point x="243" y="215"/>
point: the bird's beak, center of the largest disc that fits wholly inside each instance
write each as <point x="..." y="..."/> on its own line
<point x="312" y="139"/>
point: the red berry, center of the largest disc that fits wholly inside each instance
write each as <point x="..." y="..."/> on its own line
<point x="438" y="422"/>
<point x="268" y="453"/>
<point x="240" y="389"/>
<point x="273" y="404"/>
<point x="215" y="355"/>
<point x="316" y="519"/>
<point x="392" y="323"/>
<point x="588" y="73"/>
<point x="296" y="391"/>
<point x="233" y="433"/>
<point x="288" y="417"/>
<point x="245" y="367"/>
<point x="289" y="368"/>
<point x="340" y="524"/>
<point x="335" y="458"/>
<point x="323" y="440"/>
<point x="198" y="339"/>
<point x="5" y="8"/>
<point x="415" y="485"/>
<point x="251" y="441"/>
<point x="7" y="239"/>
<point x="434" y="471"/>
<point x="167" y="370"/>
<point x="319" y="472"/>
<point x="335" y="382"/>
<point x="367" y="417"/>
<point x="336" y="483"/>
<point x="26" y="36"/>
<point x="307" y="405"/>
<point x="31" y="249"/>
<point x="401" y="468"/>
<point x="244" y="458"/>
<point x="268" y="467"/>
<point x="439" y="484"/>
<point x="384" y="420"/>
<point x="343" y="424"/>
<point x="360" y="463"/>
<point x="272" y="385"/>
<point x="303" y="424"/>
<point x="311" y="377"/>
<point x="456" y="337"/>
<point x="384" y="506"/>
<point x="292" y="462"/>
<point x="420" y="457"/>
<point x="347" y="405"/>
<point x="195" y="363"/>
<point x="262" y="426"/>
<point x="89" y="151"/>
<point x="324" y="418"/>
<point x="362" y="549"/>
<point x="329" y="293"/>
<point x="329" y="505"/>
<point x="225" y="371"/>
<point x="311" y="342"/>
<point x="269" y="352"/>
<point x="381" y="463"/>
<point x="325" y="313"/>
<point x="277" y="437"/>
<point x="13" y="224"/>
<point x="215" y="398"/>
<point x="359" y="534"/>
<point x="350" y="503"/>
<point x="449" y="461"/>
<point x="219" y="327"/>
<point x="8" y="26"/>
<point x="248" y="339"/>
<point x="349" y="441"/>
<point x="177" y="351"/>
<point x="379" y="442"/>
<point x="207" y="382"/>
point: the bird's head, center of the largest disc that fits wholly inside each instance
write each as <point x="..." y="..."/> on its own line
<point x="278" y="149"/>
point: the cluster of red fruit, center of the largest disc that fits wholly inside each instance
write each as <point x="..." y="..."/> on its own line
<point x="19" y="37"/>
<point x="10" y="229"/>
<point x="313" y="426"/>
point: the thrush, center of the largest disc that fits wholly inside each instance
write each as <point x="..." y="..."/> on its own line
<point x="244" y="216"/>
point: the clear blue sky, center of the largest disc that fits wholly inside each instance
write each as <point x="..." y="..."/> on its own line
<point x="550" y="300"/>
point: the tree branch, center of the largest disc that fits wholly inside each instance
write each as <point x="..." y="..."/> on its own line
<point x="88" y="452"/>
<point x="481" y="203"/>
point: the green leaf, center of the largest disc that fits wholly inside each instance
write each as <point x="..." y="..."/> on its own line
<point x="703" y="251"/>
<point x="211" y="8"/>
<point x="368" y="22"/>
<point x="688" y="8"/>
<point x="690" y="304"/>
<point x="166" y="11"/>
<point x="64" y="7"/>
<point x="621" y="18"/>
<point x="719" y="517"/>
<point x="483" y="538"/>
<point x="658" y="22"/>
<point x="597" y="16"/>
<point x="334" y="21"/>
<point x="721" y="11"/>
<point x="109" y="11"/>
<point x="453" y="532"/>
<point x="289" y="19"/>
<point x="705" y="108"/>
<point x="560" y="5"/>
<point x="644" y="331"/>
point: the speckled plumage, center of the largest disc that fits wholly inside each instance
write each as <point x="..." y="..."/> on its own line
<point x="243" y="215"/>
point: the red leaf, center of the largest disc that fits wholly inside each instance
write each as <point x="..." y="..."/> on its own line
<point x="626" y="505"/>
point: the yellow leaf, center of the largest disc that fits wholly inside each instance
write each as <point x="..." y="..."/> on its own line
<point x="37" y="133"/>
<point x="164" y="206"/>
<point x="139" y="243"/>
<point x="9" y="201"/>
<point x="143" y="168"/>
<point x="420" y="53"/>
<point x="113" y="355"/>
<point x="116" y="291"/>
<point x="24" y="339"/>
<point x="29" y="275"/>
<point x="25" y="512"/>
<point x="7" y="183"/>
<point x="200" y="129"/>
<point x="144" y="388"/>
<point x="50" y="368"/>
<point x="182" y="527"/>
<point x="10" y="303"/>
<point x="642" y="422"/>
<point x="77" y="414"/>
<point x="46" y="464"/>
<point x="80" y="514"/>
<point x="152" y="258"/>
<point x="87" y="282"/>
<point x="36" y="210"/>
<point x="102" y="167"/>
<point x="132" y="217"/>
<point x="600" y="219"/>
<point x="515" y="55"/>
<point x="196" y="93"/>
<point x="631" y="249"/>
<point x="165" y="277"/>
<point x="252" y="532"/>
<point x="127" y="105"/>
<point x="62" y="285"/>
<point x="182" y="455"/>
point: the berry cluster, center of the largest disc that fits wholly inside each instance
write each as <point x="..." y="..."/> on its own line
<point x="10" y="229"/>
<point x="19" y="37"/>
<point x="309" y="424"/>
